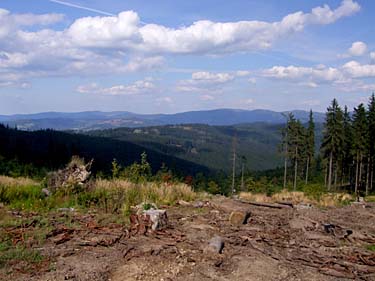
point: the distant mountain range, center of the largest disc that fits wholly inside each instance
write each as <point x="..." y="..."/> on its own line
<point x="93" y="120"/>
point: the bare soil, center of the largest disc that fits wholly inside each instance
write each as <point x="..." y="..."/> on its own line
<point x="275" y="244"/>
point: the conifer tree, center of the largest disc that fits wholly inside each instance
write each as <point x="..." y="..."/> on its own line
<point x="332" y="137"/>
<point x="310" y="144"/>
<point x="347" y="155"/>
<point x="285" y="143"/>
<point x="371" y="140"/>
<point x="360" y="130"/>
<point x="296" y="137"/>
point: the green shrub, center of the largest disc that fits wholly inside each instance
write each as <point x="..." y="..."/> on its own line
<point x="314" y="190"/>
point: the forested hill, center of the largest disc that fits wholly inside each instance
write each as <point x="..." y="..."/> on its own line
<point x="52" y="149"/>
<point x="92" y="120"/>
<point x="212" y="146"/>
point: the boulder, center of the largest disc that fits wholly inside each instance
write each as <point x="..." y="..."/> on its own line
<point x="216" y="245"/>
<point x="239" y="217"/>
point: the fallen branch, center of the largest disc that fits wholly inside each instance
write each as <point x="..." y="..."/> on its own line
<point x="267" y="205"/>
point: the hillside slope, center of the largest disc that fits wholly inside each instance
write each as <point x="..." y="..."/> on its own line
<point x="52" y="149"/>
<point x="210" y="146"/>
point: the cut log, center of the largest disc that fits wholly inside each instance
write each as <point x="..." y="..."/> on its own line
<point x="290" y="204"/>
<point x="267" y="205"/>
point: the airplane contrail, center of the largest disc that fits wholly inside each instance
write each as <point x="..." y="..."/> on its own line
<point x="82" y="7"/>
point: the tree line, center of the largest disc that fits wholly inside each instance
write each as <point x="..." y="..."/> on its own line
<point x="347" y="153"/>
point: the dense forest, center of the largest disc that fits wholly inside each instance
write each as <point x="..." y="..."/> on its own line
<point x="210" y="146"/>
<point x="34" y="153"/>
<point x="346" y="157"/>
<point x="258" y="157"/>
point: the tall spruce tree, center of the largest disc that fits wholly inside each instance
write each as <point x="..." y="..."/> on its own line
<point x="295" y="145"/>
<point x="310" y="144"/>
<point x="371" y="140"/>
<point x="285" y="143"/>
<point x="332" y="137"/>
<point x="347" y="155"/>
<point x="360" y="129"/>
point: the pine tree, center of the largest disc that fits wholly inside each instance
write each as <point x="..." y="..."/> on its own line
<point x="332" y="137"/>
<point x="284" y="144"/>
<point x="371" y="140"/>
<point x="360" y="129"/>
<point x="295" y="145"/>
<point x="347" y="156"/>
<point x="310" y="144"/>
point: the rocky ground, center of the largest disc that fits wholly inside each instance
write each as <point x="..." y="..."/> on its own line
<point x="278" y="242"/>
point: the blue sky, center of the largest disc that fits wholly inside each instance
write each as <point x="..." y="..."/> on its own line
<point x="174" y="56"/>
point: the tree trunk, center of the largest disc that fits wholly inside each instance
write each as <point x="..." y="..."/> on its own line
<point x="234" y="167"/>
<point x="360" y="171"/>
<point x="242" y="183"/>
<point x="330" y="171"/>
<point x="371" y="177"/>
<point x="342" y="173"/>
<point x="307" y="170"/>
<point x="356" y="175"/>
<point x="325" y="175"/>
<point x="295" y="170"/>
<point x="368" y="175"/>
<point x="335" y="182"/>
<point x="285" y="163"/>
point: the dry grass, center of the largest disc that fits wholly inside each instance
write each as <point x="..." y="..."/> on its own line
<point x="296" y="197"/>
<point x="16" y="182"/>
<point x="292" y="196"/>
<point x="255" y="197"/>
<point x="134" y="194"/>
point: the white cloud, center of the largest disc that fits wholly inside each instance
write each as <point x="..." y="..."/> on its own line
<point x="138" y="87"/>
<point x="125" y="32"/>
<point x="209" y="77"/>
<point x="346" y="78"/>
<point x="324" y="15"/>
<point x="13" y="60"/>
<point x="358" y="49"/>
<point x="15" y="84"/>
<point x="10" y="22"/>
<point x="121" y="43"/>
<point x="357" y="70"/>
<point x="372" y="55"/>
<point x="242" y="73"/>
<point x="358" y="86"/>
<point x="205" y="82"/>
<point x="207" y="97"/>
<point x="309" y="84"/>
<point x="319" y="73"/>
